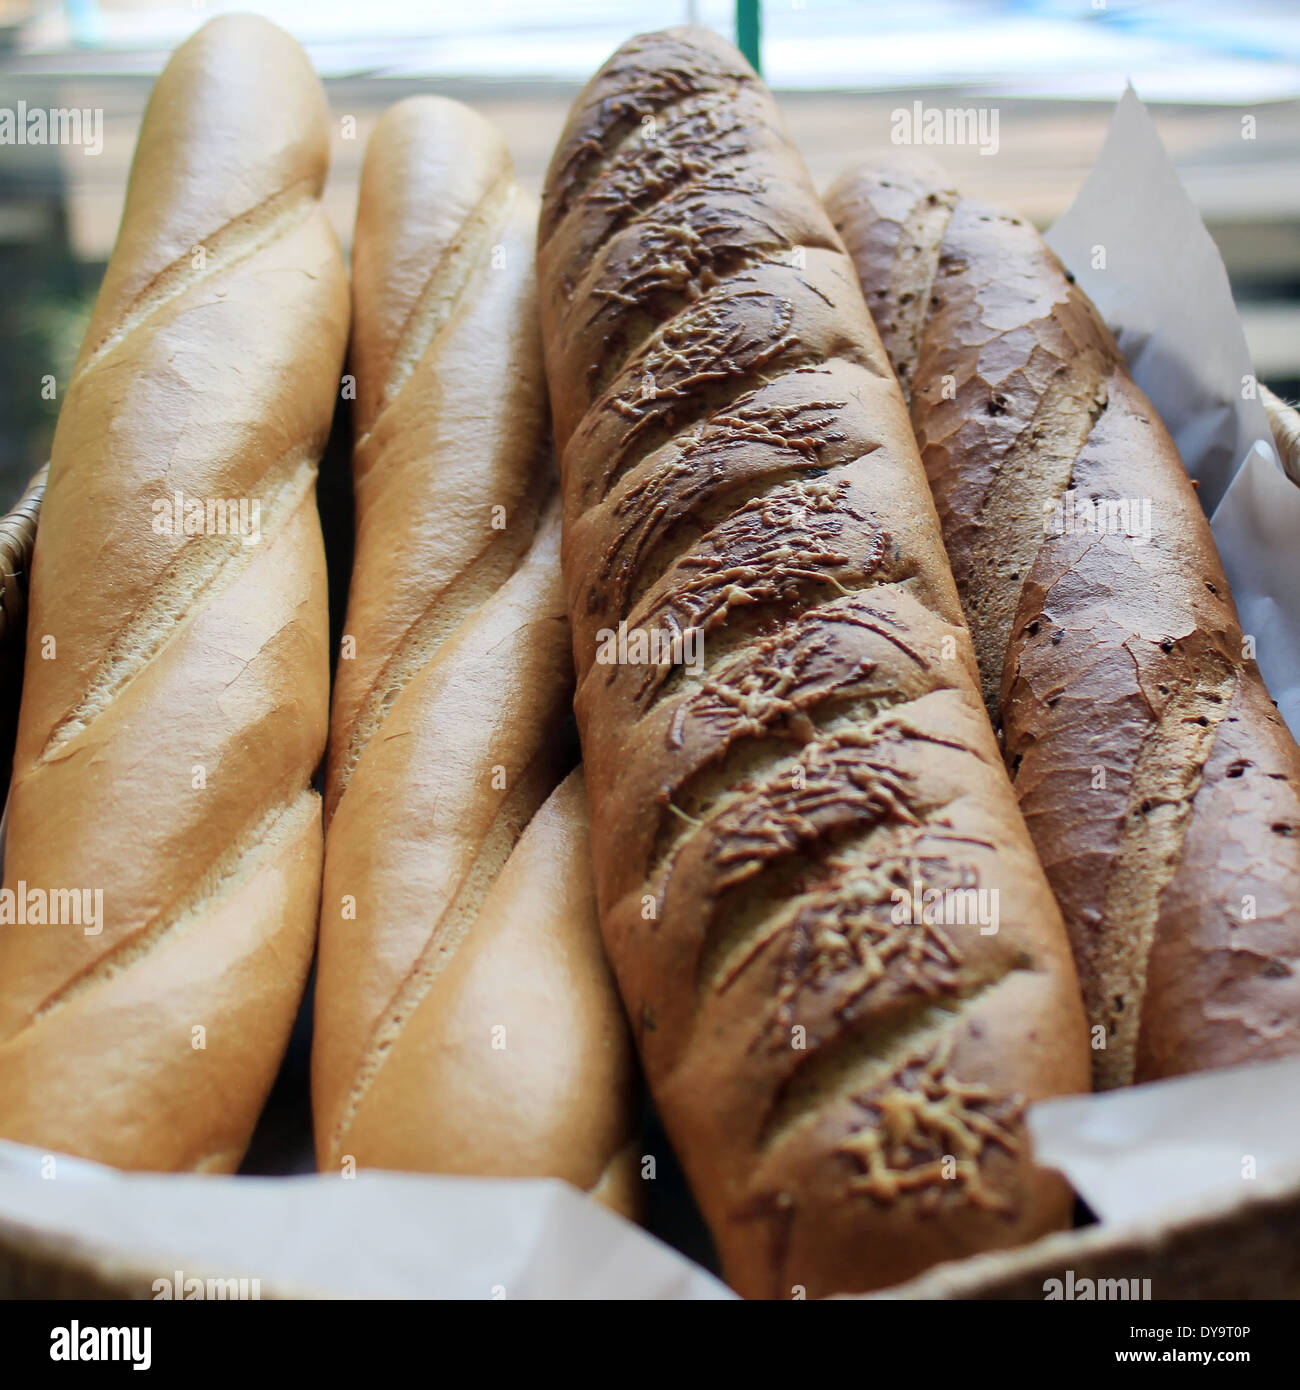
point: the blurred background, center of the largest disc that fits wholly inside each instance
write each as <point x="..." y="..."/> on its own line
<point x="1052" y="69"/>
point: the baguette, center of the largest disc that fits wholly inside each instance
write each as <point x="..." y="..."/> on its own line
<point x="465" y="1019"/>
<point x="845" y="1090"/>
<point x="176" y="693"/>
<point x="1160" y="785"/>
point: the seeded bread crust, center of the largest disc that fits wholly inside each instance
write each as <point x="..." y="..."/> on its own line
<point x="846" y="1091"/>
<point x="1160" y="785"/>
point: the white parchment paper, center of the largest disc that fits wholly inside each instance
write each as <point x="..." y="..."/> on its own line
<point x="1133" y="1151"/>
<point x="378" y="1235"/>
<point x="1129" y="1153"/>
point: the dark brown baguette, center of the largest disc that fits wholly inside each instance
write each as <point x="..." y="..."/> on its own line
<point x="846" y="1092"/>
<point x="1161" y="787"/>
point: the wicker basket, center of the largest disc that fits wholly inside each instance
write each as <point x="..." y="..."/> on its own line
<point x="17" y="537"/>
<point x="1242" y="1245"/>
<point x="1284" y="421"/>
<point x="36" y="1264"/>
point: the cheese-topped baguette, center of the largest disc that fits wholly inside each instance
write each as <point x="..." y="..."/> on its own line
<point x="801" y="828"/>
<point x="466" y="1020"/>
<point x="177" y="677"/>
<point x="1160" y="785"/>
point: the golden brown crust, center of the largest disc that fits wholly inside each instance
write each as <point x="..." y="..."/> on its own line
<point x="516" y="1063"/>
<point x="445" y="352"/>
<point x="737" y="464"/>
<point x="1159" y="783"/>
<point x="168" y="736"/>
<point x="465" y="1019"/>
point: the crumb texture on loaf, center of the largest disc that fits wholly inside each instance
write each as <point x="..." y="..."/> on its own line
<point x="466" y="1020"/>
<point x="845" y="1088"/>
<point x="1159" y="783"/>
<point x="176" y="694"/>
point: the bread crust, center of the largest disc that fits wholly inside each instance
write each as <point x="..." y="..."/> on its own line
<point x="737" y="464"/>
<point x="466" y="1021"/>
<point x="176" y="690"/>
<point x="1160" y="785"/>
